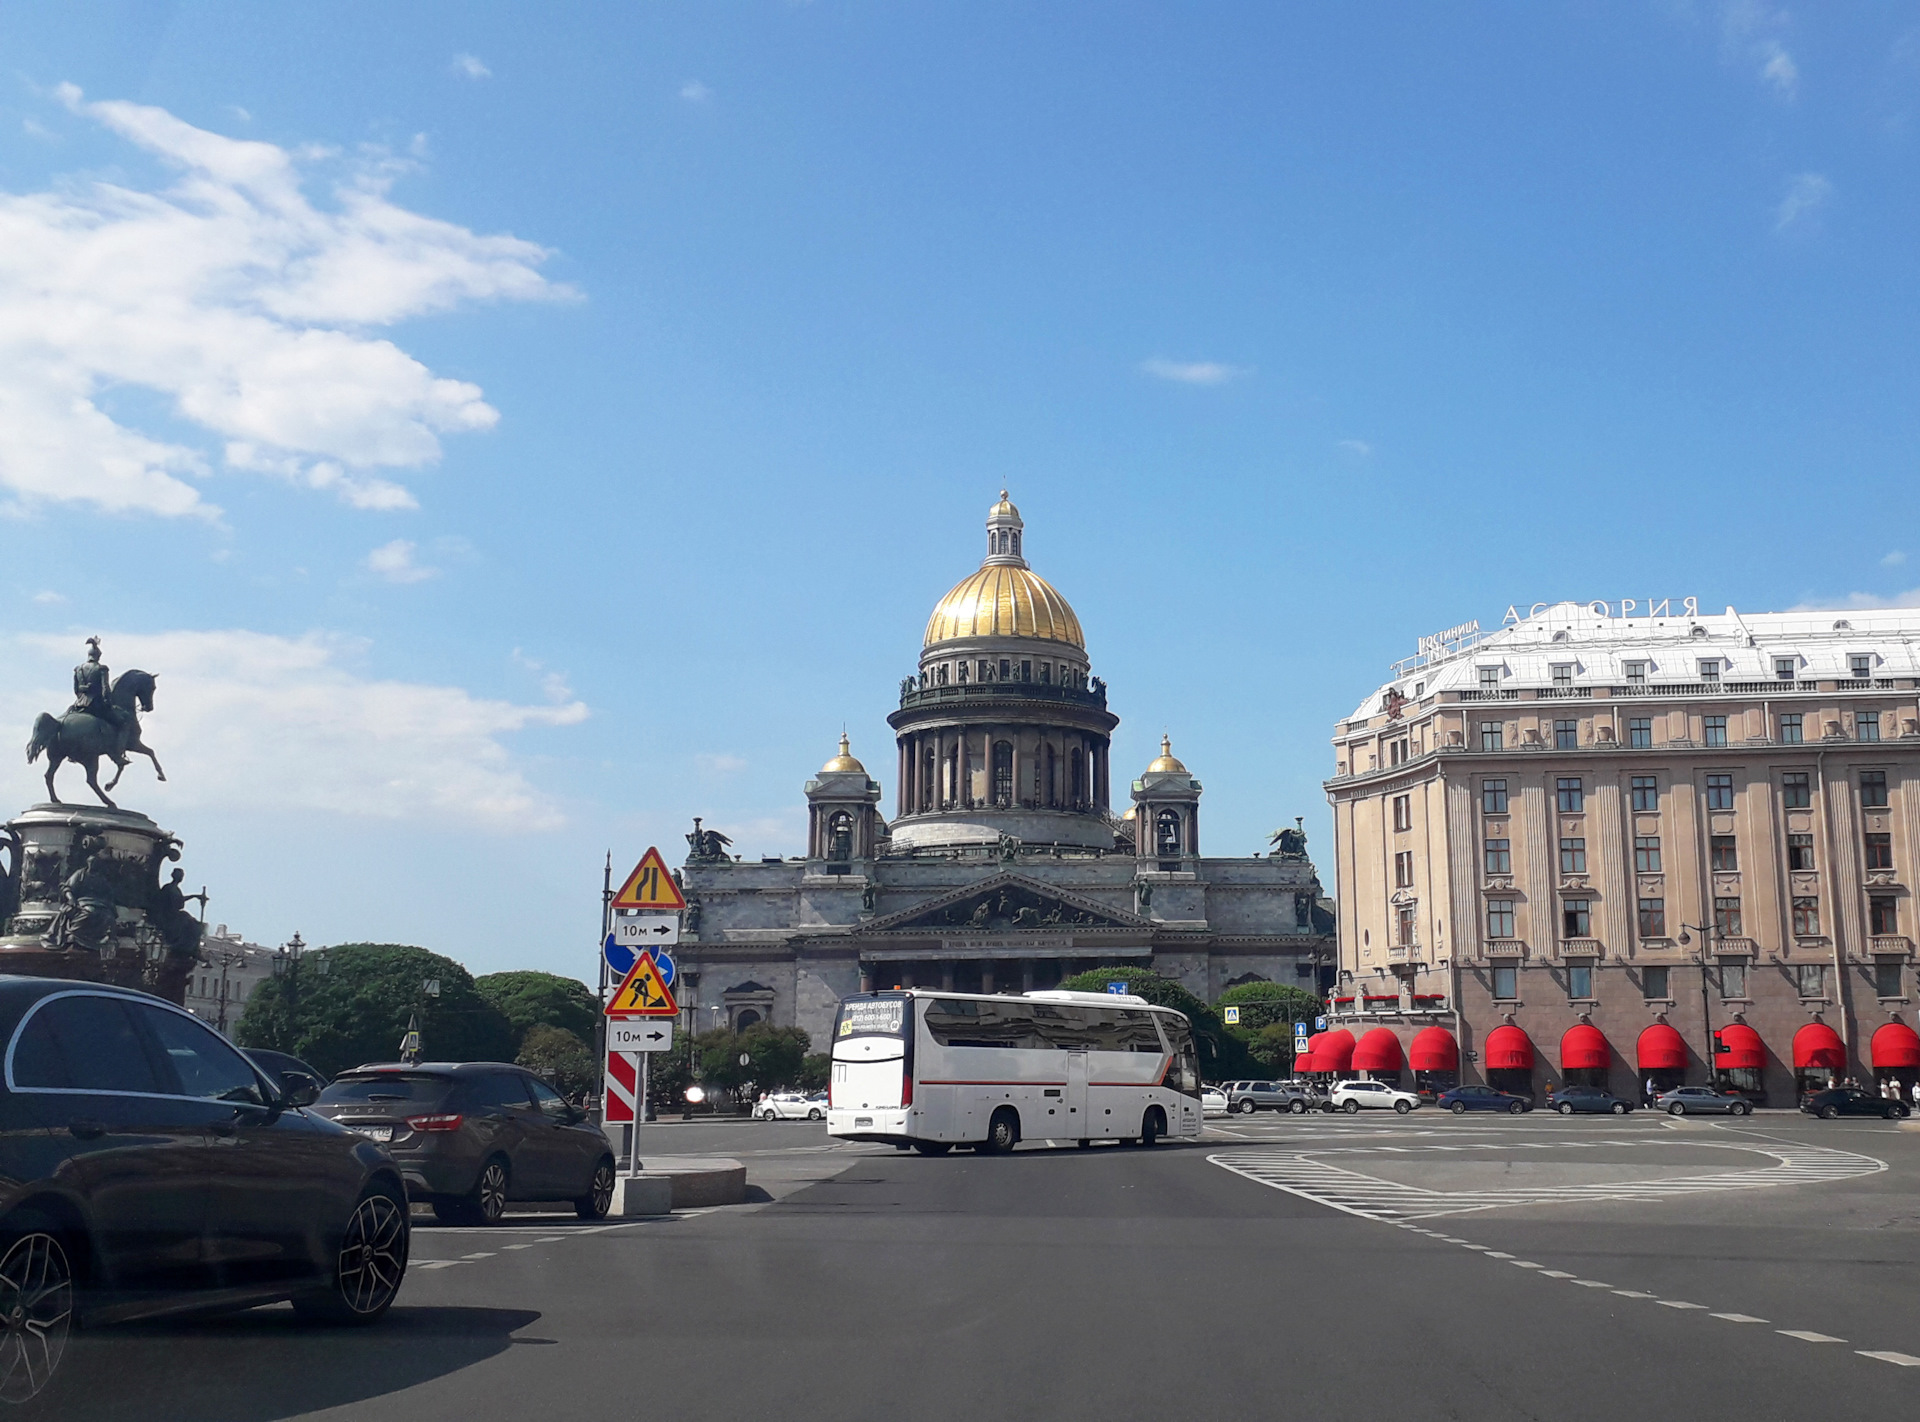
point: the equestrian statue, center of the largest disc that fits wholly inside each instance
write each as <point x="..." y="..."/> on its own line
<point x="103" y="720"/>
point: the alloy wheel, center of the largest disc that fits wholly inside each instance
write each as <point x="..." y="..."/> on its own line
<point x="373" y="1255"/>
<point x="36" y="1313"/>
<point x="493" y="1191"/>
<point x="602" y="1189"/>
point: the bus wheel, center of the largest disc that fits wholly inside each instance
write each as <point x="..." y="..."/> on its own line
<point x="1152" y="1126"/>
<point x="1003" y="1131"/>
<point x="932" y="1147"/>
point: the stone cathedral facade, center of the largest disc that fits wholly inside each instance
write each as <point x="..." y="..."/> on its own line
<point x="1004" y="867"/>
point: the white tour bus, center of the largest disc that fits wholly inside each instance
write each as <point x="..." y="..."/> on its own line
<point x="938" y="1069"/>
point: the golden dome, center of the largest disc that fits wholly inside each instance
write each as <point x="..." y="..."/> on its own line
<point x="1165" y="764"/>
<point x="1003" y="509"/>
<point x="843" y="763"/>
<point x="1003" y="600"/>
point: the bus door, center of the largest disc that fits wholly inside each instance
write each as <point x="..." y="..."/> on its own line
<point x="1076" y="1126"/>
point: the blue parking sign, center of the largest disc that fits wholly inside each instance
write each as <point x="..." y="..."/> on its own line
<point x="1319" y="1024"/>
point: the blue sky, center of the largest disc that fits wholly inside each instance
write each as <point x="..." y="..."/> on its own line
<point x="534" y="426"/>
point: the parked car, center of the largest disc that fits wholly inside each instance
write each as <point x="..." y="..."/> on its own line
<point x="1213" y="1101"/>
<point x="1569" y="1099"/>
<point x="1851" y="1101"/>
<point x="1462" y="1099"/>
<point x="1683" y="1100"/>
<point x="148" y="1167"/>
<point x="1352" y="1096"/>
<point x="277" y="1064"/>
<point x="791" y="1106"/>
<point x="471" y="1136"/>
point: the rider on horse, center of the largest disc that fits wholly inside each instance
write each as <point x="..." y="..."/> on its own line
<point x="92" y="683"/>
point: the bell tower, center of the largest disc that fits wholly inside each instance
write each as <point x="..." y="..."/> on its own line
<point x="1166" y="814"/>
<point x="843" y="816"/>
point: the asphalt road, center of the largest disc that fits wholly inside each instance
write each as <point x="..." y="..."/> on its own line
<point x="1424" y="1267"/>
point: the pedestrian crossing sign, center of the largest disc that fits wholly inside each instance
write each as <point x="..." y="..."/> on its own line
<point x="650" y="886"/>
<point x="643" y="992"/>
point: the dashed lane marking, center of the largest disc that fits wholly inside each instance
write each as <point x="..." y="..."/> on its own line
<point x="1905" y="1360"/>
<point x="1739" y="1318"/>
<point x="1806" y="1337"/>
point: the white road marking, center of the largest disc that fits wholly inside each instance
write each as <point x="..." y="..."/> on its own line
<point x="519" y="1246"/>
<point x="483" y="1254"/>
<point x="1806" y="1337"/>
<point x="1738" y="1317"/>
<point x="1525" y="1264"/>
<point x="1905" y="1360"/>
<point x="1633" y="1293"/>
<point x="1555" y="1274"/>
<point x="1677" y="1303"/>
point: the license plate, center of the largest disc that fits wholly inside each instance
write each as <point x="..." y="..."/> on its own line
<point x="374" y="1133"/>
<point x="859" y="1121"/>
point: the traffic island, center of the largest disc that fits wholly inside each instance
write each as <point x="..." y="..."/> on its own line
<point x="695" y="1181"/>
<point x="640" y="1195"/>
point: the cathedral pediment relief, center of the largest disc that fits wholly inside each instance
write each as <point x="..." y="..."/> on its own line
<point x="1007" y="903"/>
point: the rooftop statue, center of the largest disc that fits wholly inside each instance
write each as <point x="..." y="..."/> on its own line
<point x="1290" y="843"/>
<point x="103" y="721"/>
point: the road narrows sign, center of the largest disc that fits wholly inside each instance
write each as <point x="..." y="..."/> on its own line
<point x="650" y="886"/>
<point x="643" y="992"/>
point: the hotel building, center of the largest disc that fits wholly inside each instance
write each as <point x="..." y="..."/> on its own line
<point x="1634" y="851"/>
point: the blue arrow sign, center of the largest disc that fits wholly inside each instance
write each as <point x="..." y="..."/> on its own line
<point x="1119" y="988"/>
<point x="663" y="960"/>
<point x="619" y="958"/>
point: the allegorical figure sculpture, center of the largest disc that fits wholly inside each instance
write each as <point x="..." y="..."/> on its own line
<point x="1290" y="843"/>
<point x="178" y="929"/>
<point x="706" y="846"/>
<point x="103" y="721"/>
<point x="87" y="912"/>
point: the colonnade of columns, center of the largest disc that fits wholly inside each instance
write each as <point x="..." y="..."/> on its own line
<point x="952" y="768"/>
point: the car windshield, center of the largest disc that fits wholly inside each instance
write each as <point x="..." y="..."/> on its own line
<point x="411" y="1087"/>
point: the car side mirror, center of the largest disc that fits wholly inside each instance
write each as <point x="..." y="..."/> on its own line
<point x="299" y="1089"/>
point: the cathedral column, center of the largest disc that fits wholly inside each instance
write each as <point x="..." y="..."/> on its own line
<point x="986" y="976"/>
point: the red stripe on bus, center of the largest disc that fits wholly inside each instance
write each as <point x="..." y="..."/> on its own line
<point x="994" y="1083"/>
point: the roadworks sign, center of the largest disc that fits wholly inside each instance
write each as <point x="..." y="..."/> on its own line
<point x="650" y="886"/>
<point x="643" y="992"/>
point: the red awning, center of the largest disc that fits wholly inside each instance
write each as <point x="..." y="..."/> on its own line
<point x="1433" y="1049"/>
<point x="1818" y="1045"/>
<point x="1660" y="1048"/>
<point x="1583" y="1048"/>
<point x="1896" y="1045"/>
<point x="1379" y="1050"/>
<point x="1509" y="1050"/>
<point x="1303" y="1061"/>
<point x="1332" y="1051"/>
<point x="1743" y="1046"/>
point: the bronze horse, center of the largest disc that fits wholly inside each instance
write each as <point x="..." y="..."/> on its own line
<point x="83" y="737"/>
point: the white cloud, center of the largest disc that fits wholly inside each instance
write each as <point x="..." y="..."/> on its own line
<point x="1893" y="559"/>
<point x="33" y="128"/>
<point x="1807" y="193"/>
<point x="48" y="599"/>
<point x="720" y="764"/>
<point x="243" y="305"/>
<point x="469" y="66"/>
<point x="394" y="562"/>
<point x="1750" y="33"/>
<point x="694" y="92"/>
<point x="1357" y="447"/>
<point x="247" y="721"/>
<point x="1194" y="372"/>
<point x="1865" y="602"/>
<point x="1780" y="71"/>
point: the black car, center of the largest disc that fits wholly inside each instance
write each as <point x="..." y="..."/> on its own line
<point x="146" y="1166"/>
<point x="1569" y="1099"/>
<point x="470" y="1136"/>
<point x="1851" y="1101"/>
<point x="277" y="1064"/>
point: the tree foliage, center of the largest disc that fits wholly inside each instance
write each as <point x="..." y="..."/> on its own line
<point x="1222" y="1054"/>
<point x="529" y="999"/>
<point x="1267" y="1014"/>
<point x="357" y="1011"/>
<point x="563" y="1059"/>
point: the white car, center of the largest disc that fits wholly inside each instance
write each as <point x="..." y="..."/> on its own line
<point x="1213" y="1101"/>
<point x="1352" y="1096"/>
<point x="792" y="1106"/>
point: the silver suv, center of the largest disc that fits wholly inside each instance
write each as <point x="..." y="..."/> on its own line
<point x="1246" y="1097"/>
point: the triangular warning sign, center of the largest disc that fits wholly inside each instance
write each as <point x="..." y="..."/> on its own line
<point x="650" y="886"/>
<point x="643" y="992"/>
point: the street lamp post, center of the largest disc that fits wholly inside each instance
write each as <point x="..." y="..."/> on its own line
<point x="286" y="965"/>
<point x="226" y="958"/>
<point x="1709" y="934"/>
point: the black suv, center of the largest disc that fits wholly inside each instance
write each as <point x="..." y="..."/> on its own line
<point x="471" y="1136"/>
<point x="147" y="1166"/>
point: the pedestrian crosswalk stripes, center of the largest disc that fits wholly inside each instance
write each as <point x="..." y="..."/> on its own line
<point x="1312" y="1174"/>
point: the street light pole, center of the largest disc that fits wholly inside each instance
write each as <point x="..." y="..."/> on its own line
<point x="1709" y="934"/>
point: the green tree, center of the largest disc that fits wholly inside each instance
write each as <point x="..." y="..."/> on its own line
<point x="529" y="999"/>
<point x="559" y="1056"/>
<point x="358" y="1010"/>
<point x="1222" y="1055"/>
<point x="775" y="1058"/>
<point x="816" y="1070"/>
<point x="1267" y="1014"/>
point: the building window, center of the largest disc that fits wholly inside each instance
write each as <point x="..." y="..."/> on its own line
<point x="1506" y="983"/>
<point x="1723" y="854"/>
<point x="1861" y="666"/>
<point x="1499" y="856"/>
<point x="1726" y="918"/>
<point x="1573" y="856"/>
<point x="1710" y="670"/>
<point x="1566" y="735"/>
<point x="1886" y="977"/>
<point x="1403" y="812"/>
<point x="1784" y="668"/>
<point x="1489" y="678"/>
<point x="1792" y="730"/>
<point x="1879" y="850"/>
<point x="1636" y="673"/>
<point x="1493" y="797"/>
<point x="1490" y="736"/>
<point x="1562" y="676"/>
<point x="1006" y="669"/>
<point x="1403" y="927"/>
<point x="1800" y="851"/>
<point x="1873" y="789"/>
<point x="1572" y="799"/>
<point x="1653" y="984"/>
<point x="1403" y="869"/>
<point x="1580" y="980"/>
<point x="1719" y="792"/>
<point x="1653" y="919"/>
<point x="1883" y="915"/>
<point x="1733" y="977"/>
<point x="1811" y="979"/>
<point x="1866" y="725"/>
<point x="1003" y="774"/>
<point x="1715" y="728"/>
<point x="1796" y="790"/>
<point x="1806" y="915"/>
<point x="1646" y="794"/>
<point x="1576" y="918"/>
<point x="1640" y="733"/>
<point x="1166" y="834"/>
<point x="1646" y="854"/>
<point x="1499" y="918"/>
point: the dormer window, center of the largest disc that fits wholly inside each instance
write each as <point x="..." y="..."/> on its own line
<point x="1563" y="676"/>
<point x="1636" y="673"/>
<point x="1861" y="665"/>
<point x="1489" y="678"/>
<point x="1710" y="670"/>
<point x="1785" y="668"/>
